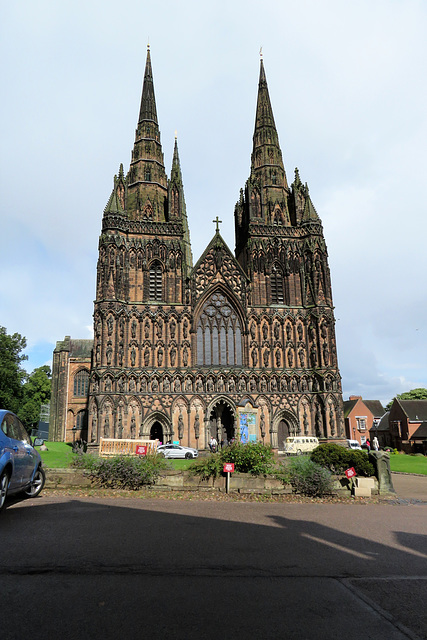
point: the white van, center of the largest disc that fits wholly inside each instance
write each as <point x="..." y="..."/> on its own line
<point x="296" y="445"/>
<point x="353" y="444"/>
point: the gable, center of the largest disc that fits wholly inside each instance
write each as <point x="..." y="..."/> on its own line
<point x="218" y="266"/>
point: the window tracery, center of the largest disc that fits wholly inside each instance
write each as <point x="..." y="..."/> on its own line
<point x="219" y="333"/>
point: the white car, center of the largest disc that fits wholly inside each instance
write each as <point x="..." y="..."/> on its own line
<point x="354" y="444"/>
<point x="177" y="451"/>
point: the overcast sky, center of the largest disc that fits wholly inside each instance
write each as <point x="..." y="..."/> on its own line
<point x="347" y="83"/>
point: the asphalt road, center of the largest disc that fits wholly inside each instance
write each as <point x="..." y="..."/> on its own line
<point x="129" y="568"/>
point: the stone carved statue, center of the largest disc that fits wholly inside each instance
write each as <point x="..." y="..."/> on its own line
<point x="180" y="427"/>
<point x="197" y="425"/>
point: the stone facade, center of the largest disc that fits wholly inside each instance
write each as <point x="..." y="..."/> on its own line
<point x="235" y="346"/>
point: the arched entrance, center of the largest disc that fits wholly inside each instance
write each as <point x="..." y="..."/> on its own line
<point x="156" y="431"/>
<point x="283" y="431"/>
<point x="222" y="422"/>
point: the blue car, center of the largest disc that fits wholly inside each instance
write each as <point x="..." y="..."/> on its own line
<point x="20" y="464"/>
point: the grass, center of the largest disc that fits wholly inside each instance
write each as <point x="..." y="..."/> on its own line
<point x="58" y="456"/>
<point x="408" y="464"/>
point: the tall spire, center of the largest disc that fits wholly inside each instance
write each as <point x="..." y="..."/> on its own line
<point x="148" y="101"/>
<point x="267" y="163"/>
<point x="177" y="207"/>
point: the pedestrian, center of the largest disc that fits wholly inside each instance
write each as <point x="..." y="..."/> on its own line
<point x="375" y="443"/>
<point x="368" y="444"/>
<point x="212" y="444"/>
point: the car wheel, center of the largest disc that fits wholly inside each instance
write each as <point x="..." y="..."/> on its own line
<point x="299" y="452"/>
<point x="188" y="455"/>
<point x="37" y="484"/>
<point x="4" y="485"/>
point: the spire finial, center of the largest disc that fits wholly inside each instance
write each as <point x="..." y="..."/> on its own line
<point x="176" y="134"/>
<point x="218" y="222"/>
<point x="260" y="53"/>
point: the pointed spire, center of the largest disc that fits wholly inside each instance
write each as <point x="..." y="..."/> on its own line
<point x="177" y="207"/>
<point x="148" y="101"/>
<point x="176" y="175"/>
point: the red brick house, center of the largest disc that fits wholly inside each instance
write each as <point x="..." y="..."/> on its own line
<point x="360" y="416"/>
<point x="408" y="425"/>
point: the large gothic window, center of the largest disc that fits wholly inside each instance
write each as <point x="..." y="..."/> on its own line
<point x="219" y="333"/>
<point x="276" y="283"/>
<point x="156" y="281"/>
<point x="81" y="383"/>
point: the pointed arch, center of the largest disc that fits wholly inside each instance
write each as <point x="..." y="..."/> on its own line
<point x="219" y="327"/>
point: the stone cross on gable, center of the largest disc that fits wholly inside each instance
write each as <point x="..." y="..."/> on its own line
<point x="218" y="222"/>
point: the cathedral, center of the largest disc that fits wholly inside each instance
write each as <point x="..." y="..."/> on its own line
<point x="238" y="345"/>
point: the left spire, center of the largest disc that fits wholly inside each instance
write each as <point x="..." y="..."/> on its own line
<point x="148" y="101"/>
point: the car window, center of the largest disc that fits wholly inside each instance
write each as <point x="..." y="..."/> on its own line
<point x="7" y="425"/>
<point x="19" y="431"/>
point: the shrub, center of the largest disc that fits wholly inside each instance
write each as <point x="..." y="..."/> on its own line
<point x="337" y="459"/>
<point x="360" y="461"/>
<point x="209" y="467"/>
<point x="255" y="458"/>
<point x="331" y="456"/>
<point x="122" y="472"/>
<point x="307" y="478"/>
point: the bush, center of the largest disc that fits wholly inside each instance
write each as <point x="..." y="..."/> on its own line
<point x="331" y="456"/>
<point x="209" y="467"/>
<point x="360" y="461"/>
<point x="307" y="478"/>
<point x="255" y="458"/>
<point x="122" y="472"/>
<point x="337" y="459"/>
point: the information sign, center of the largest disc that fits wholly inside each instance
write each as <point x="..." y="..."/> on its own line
<point x="229" y="467"/>
<point x="350" y="472"/>
<point x="141" y="450"/>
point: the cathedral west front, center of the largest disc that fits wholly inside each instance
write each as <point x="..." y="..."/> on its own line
<point x="237" y="345"/>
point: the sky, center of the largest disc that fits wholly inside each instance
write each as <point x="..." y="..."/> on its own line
<point x="347" y="83"/>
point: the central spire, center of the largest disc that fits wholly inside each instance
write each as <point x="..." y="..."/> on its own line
<point x="148" y="101"/>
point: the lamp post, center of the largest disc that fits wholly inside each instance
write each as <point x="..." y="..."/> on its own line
<point x="74" y="429"/>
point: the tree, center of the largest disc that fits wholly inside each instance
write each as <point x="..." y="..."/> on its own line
<point x="36" y="391"/>
<point x="414" y="394"/>
<point x="12" y="375"/>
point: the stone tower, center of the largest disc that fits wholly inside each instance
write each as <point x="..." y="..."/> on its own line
<point x="237" y="346"/>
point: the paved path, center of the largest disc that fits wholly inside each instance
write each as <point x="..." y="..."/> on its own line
<point x="409" y="486"/>
<point x="129" y="568"/>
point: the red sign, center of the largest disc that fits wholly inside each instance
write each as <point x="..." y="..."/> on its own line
<point x="350" y="472"/>
<point x="229" y="467"/>
<point x="141" y="450"/>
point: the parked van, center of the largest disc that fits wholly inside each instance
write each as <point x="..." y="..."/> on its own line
<point x="297" y="445"/>
<point x="353" y="444"/>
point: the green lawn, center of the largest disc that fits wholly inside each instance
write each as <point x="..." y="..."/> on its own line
<point x="58" y="456"/>
<point x="408" y="464"/>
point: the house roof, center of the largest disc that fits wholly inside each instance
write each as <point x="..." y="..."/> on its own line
<point x="421" y="432"/>
<point x="374" y="406"/>
<point x="414" y="409"/>
<point x="383" y="424"/>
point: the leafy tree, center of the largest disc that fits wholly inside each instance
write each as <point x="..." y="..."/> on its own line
<point x="414" y="394"/>
<point x="12" y="375"/>
<point x="36" y="391"/>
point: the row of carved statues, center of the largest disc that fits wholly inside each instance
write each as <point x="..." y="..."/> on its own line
<point x="212" y="384"/>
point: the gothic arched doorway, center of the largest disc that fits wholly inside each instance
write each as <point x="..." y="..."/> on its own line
<point x="156" y="431"/>
<point x="221" y="422"/>
<point x="283" y="431"/>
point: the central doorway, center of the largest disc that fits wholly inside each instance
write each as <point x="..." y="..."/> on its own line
<point x="222" y="423"/>
<point x="156" y="432"/>
<point x="283" y="431"/>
